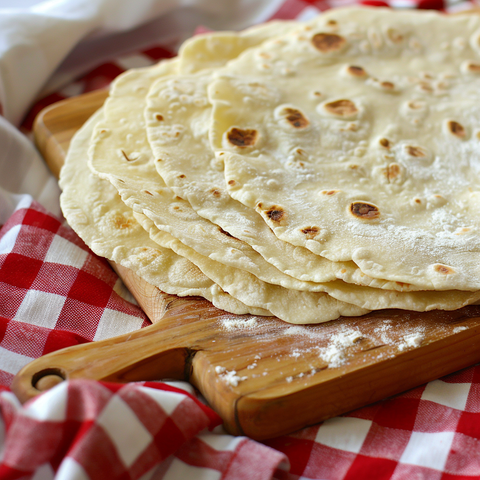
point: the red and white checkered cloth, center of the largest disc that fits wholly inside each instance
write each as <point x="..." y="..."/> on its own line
<point x="55" y="293"/>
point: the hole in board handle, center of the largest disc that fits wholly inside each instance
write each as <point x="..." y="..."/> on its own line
<point x="48" y="378"/>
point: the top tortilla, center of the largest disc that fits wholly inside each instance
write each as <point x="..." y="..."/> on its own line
<point x="363" y="130"/>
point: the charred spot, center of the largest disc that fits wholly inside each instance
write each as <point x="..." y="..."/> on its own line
<point x="365" y="211"/>
<point x="159" y="160"/>
<point x="296" y="118"/>
<point x="216" y="193"/>
<point x="328" y="42"/>
<point x="341" y="108"/>
<point x="444" y="269"/>
<point x="456" y="129"/>
<point x="343" y="270"/>
<point x="276" y="214"/>
<point x="221" y="230"/>
<point x="418" y="152"/>
<point x="473" y="67"/>
<point x="242" y="138"/>
<point x="417" y="200"/>
<point x="310" y="232"/>
<point x="176" y="208"/>
<point x="181" y="176"/>
<point x="232" y="182"/>
<point x="356" y="71"/>
<point x="121" y="181"/>
<point x="159" y="117"/>
<point x="148" y="193"/>
<point x="385" y="143"/>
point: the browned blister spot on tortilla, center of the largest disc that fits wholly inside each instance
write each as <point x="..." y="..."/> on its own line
<point x="343" y="270"/>
<point x="148" y="193"/>
<point x="242" y="137"/>
<point x="415" y="105"/>
<point x="394" y="35"/>
<point x="341" y="108"/>
<point x="425" y="87"/>
<point x="310" y="232"/>
<point x="392" y="172"/>
<point x="463" y="231"/>
<point x="276" y="213"/>
<point x="120" y="222"/>
<point x="387" y="85"/>
<point x="329" y="192"/>
<point x="444" y="269"/>
<point x="356" y="71"/>
<point x="216" y="193"/>
<point x="328" y="42"/>
<point x="417" y="200"/>
<point x="232" y="182"/>
<point x="473" y="67"/>
<point x="365" y="211"/>
<point x="181" y="176"/>
<point x="418" y="152"/>
<point x="159" y="117"/>
<point x="456" y="129"/>
<point x="296" y="118"/>
<point x="385" y="143"/>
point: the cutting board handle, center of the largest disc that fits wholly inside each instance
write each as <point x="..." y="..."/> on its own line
<point x="146" y="354"/>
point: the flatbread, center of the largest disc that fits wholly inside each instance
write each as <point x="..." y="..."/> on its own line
<point x="184" y="167"/>
<point x="95" y="211"/>
<point x="366" y="131"/>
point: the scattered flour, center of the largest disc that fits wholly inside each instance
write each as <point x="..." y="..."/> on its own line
<point x="229" y="377"/>
<point x="459" y="329"/>
<point x="335" y="354"/>
<point x="237" y="324"/>
<point x="413" y="340"/>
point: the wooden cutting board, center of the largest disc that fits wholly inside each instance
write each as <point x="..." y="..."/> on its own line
<point x="263" y="376"/>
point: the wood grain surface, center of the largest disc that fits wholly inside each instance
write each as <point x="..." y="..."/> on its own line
<point x="284" y="378"/>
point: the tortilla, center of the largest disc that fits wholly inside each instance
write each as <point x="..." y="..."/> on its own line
<point x="95" y="211"/>
<point x="365" y="131"/>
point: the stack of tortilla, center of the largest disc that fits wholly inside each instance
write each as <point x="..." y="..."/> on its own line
<point x="307" y="170"/>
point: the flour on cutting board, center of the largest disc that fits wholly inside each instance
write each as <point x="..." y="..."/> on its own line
<point x="239" y="323"/>
<point x="334" y="348"/>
